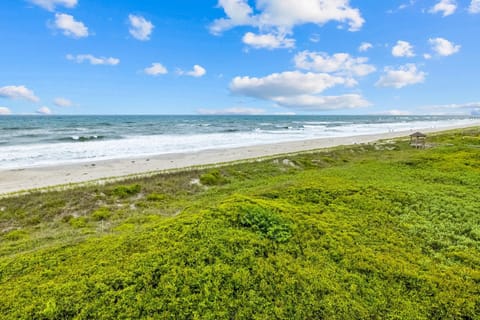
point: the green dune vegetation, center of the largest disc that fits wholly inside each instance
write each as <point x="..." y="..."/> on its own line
<point x="378" y="231"/>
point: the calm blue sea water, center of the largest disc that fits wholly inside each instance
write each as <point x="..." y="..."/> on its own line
<point x="47" y="140"/>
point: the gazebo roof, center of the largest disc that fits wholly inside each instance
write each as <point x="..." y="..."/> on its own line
<point x="418" y="135"/>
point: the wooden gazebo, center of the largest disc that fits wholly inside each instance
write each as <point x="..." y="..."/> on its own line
<point x="417" y="140"/>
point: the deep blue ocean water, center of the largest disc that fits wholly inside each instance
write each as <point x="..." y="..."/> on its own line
<point x="48" y="140"/>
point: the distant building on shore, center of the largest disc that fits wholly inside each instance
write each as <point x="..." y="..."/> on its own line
<point x="418" y="139"/>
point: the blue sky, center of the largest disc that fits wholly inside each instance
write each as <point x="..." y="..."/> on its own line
<point x="239" y="57"/>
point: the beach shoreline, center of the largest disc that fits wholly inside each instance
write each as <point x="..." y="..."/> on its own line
<point x="24" y="179"/>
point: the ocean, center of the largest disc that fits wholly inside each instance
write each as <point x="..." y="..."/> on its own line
<point x="28" y="141"/>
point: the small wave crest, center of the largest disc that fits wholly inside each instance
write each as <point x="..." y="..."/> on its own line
<point x="17" y="128"/>
<point x="82" y="138"/>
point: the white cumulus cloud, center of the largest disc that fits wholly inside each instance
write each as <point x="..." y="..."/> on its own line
<point x="238" y="13"/>
<point x="62" y="102"/>
<point x="297" y="90"/>
<point x="50" y="5"/>
<point x="287" y="83"/>
<point x="338" y="63"/>
<point x="320" y="103"/>
<point x="231" y="111"/>
<point x="403" y="76"/>
<point x="403" y="49"/>
<point x="69" y="26"/>
<point x="44" y="110"/>
<point x="5" y="111"/>
<point x="443" y="47"/>
<point x="18" y="92"/>
<point x="197" y="71"/>
<point x="155" y="69"/>
<point x="93" y="60"/>
<point x="268" y="41"/>
<point x="474" y="6"/>
<point x="365" y="46"/>
<point x="278" y="18"/>
<point x="140" y="28"/>
<point x="446" y="7"/>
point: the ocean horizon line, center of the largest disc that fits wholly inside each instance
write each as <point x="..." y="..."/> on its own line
<point x="240" y="115"/>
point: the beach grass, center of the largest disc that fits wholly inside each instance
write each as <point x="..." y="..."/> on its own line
<point x="378" y="231"/>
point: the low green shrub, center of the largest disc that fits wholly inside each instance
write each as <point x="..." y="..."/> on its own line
<point x="123" y="191"/>
<point x="101" y="214"/>
<point x="265" y="222"/>
<point x="156" y="197"/>
<point x="78" y="222"/>
<point x="213" y="178"/>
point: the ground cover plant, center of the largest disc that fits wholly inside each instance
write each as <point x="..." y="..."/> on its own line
<point x="379" y="231"/>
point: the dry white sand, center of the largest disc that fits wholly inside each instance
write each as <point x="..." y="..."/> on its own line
<point x="15" y="180"/>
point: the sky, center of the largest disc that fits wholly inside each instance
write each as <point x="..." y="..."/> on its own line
<point x="397" y="57"/>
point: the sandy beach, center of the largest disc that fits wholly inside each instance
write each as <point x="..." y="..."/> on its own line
<point x="15" y="180"/>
